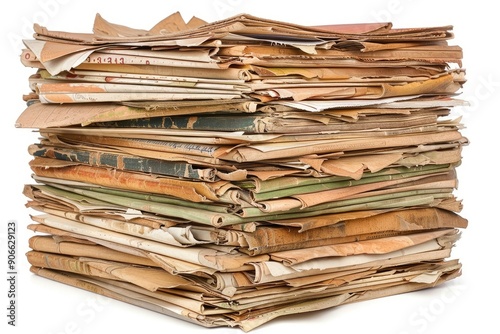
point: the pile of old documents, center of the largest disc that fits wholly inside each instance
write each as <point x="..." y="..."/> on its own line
<point x="232" y="172"/>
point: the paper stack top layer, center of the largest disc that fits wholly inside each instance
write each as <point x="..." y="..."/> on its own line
<point x="232" y="172"/>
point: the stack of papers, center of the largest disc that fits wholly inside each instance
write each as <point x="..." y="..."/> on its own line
<point x="232" y="172"/>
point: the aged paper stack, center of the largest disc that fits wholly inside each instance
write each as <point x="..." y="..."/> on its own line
<point x="232" y="172"/>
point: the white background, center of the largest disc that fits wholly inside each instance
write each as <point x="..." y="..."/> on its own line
<point x="467" y="304"/>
